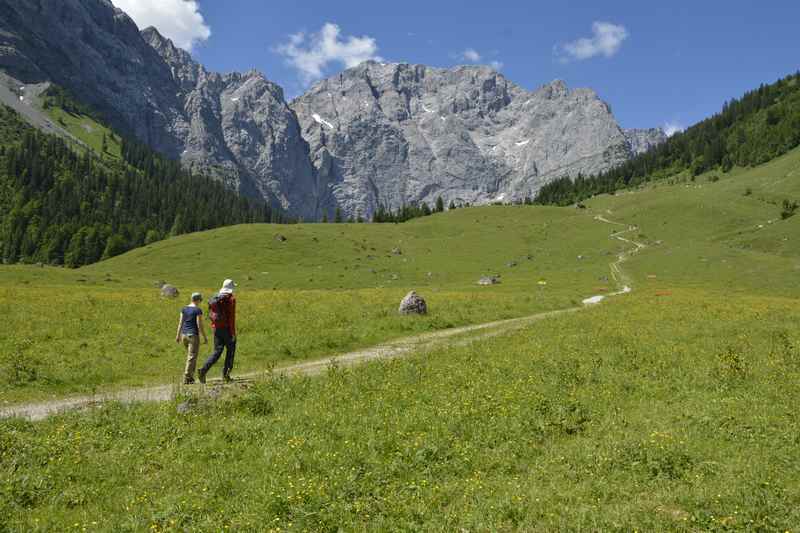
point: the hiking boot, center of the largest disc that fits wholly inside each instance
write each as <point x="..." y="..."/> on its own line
<point x="201" y="375"/>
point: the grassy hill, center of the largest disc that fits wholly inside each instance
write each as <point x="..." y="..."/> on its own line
<point x="754" y="129"/>
<point x="671" y="408"/>
<point x="341" y="281"/>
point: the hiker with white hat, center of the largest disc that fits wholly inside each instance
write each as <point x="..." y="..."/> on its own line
<point x="222" y="313"/>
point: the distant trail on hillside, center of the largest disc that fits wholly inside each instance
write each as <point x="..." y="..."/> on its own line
<point x="617" y="274"/>
<point x="388" y="350"/>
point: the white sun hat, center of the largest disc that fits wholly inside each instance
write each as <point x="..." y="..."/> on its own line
<point x="227" y="287"/>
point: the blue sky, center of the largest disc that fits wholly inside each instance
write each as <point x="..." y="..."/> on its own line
<point x="654" y="63"/>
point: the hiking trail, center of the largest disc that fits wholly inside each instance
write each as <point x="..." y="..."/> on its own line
<point x="400" y="347"/>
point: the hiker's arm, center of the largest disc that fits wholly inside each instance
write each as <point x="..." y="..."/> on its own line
<point x="178" y="333"/>
<point x="202" y="328"/>
<point x="233" y="319"/>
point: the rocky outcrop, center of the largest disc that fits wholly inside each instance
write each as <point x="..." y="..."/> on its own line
<point x="378" y="133"/>
<point x="236" y="126"/>
<point x="413" y="304"/>
<point x="169" y="291"/>
<point x="641" y="141"/>
<point x="239" y="127"/>
<point x="396" y="133"/>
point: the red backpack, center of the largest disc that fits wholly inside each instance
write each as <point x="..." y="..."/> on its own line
<point x="218" y="309"/>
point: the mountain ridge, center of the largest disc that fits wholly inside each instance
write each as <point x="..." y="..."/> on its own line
<point x="239" y="127"/>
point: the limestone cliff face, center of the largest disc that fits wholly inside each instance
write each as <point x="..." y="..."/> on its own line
<point x="238" y="126"/>
<point x="235" y="126"/>
<point x="397" y="133"/>
<point x="643" y="140"/>
<point x="378" y="133"/>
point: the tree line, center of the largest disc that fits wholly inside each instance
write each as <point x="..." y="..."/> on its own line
<point x="405" y="213"/>
<point x="65" y="206"/>
<point x="761" y="125"/>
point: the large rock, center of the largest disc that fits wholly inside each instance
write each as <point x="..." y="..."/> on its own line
<point x="169" y="291"/>
<point x="413" y="304"/>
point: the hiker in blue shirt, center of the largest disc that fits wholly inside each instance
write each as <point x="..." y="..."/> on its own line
<point x="190" y="327"/>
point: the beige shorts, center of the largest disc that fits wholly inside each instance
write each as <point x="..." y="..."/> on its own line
<point x="192" y="345"/>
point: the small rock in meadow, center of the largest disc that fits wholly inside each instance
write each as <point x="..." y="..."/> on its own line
<point x="168" y="291"/>
<point x="429" y="274"/>
<point x="395" y="277"/>
<point x="280" y="238"/>
<point x="488" y="280"/>
<point x="511" y="264"/>
<point x="413" y="304"/>
<point x="397" y="251"/>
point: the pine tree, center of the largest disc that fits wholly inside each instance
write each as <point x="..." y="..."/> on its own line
<point x="71" y="208"/>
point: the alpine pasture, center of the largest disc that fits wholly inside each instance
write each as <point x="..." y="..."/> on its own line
<point x="669" y="408"/>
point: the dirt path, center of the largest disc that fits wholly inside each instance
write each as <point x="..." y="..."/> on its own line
<point x="415" y="344"/>
<point x="621" y="279"/>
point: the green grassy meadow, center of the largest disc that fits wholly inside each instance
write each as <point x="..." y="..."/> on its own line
<point x="648" y="413"/>
<point x="327" y="289"/>
<point x="671" y="408"/>
<point x="88" y="130"/>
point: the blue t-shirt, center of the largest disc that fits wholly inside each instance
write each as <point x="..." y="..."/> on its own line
<point x="189" y="316"/>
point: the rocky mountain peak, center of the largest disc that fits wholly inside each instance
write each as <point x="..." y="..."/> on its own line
<point x="642" y="140"/>
<point x="556" y="89"/>
<point x="395" y="133"/>
<point x="185" y="71"/>
<point x="376" y="134"/>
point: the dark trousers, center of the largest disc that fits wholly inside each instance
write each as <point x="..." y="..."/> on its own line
<point x="222" y="341"/>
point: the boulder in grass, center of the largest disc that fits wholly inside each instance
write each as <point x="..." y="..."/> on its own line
<point x="397" y="251"/>
<point x="280" y="238"/>
<point x="413" y="304"/>
<point x="168" y="291"/>
<point x="489" y="280"/>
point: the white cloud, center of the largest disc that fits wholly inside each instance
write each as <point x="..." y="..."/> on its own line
<point x="672" y="127"/>
<point x="471" y="55"/>
<point x="606" y="41"/>
<point x="179" y="20"/>
<point x="311" y="54"/>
